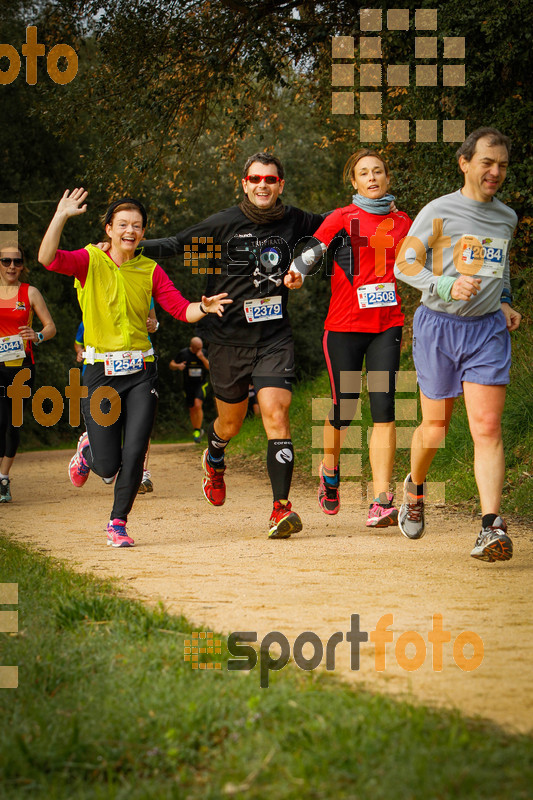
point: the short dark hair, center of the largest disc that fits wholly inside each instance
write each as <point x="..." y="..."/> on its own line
<point x="263" y="158"/>
<point x="494" y="136"/>
<point x="124" y="204"/>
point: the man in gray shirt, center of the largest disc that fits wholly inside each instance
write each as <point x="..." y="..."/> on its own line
<point x="457" y="254"/>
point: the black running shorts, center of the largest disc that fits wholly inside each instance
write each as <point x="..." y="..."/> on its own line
<point x="233" y="368"/>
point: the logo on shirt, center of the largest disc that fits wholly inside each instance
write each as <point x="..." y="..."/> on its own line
<point x="270" y="258"/>
<point x="20" y="305"/>
<point x="284" y="456"/>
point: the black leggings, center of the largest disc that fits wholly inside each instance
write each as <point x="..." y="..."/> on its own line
<point x="121" y="447"/>
<point x="9" y="435"/>
<point x="344" y="353"/>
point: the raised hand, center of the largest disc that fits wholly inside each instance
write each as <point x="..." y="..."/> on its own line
<point x="216" y="303"/>
<point x="73" y="203"/>
<point x="293" y="280"/>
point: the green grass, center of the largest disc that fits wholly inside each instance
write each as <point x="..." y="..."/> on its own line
<point x="107" y="708"/>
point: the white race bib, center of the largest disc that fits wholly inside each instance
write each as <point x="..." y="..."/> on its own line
<point x="377" y="295"/>
<point x="263" y="308"/>
<point x="11" y="348"/>
<point x="123" y="363"/>
<point x="488" y="255"/>
<point x="195" y="372"/>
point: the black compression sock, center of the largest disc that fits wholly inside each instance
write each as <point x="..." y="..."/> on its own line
<point x="488" y="520"/>
<point x="216" y="447"/>
<point x="280" y="463"/>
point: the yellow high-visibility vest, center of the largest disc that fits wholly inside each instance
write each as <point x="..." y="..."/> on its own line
<point x="115" y="302"/>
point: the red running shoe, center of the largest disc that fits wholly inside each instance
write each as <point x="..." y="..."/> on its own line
<point x="283" y="521"/>
<point x="78" y="469"/>
<point x="213" y="485"/>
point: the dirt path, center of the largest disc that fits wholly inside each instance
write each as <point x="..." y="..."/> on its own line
<point x="218" y="567"/>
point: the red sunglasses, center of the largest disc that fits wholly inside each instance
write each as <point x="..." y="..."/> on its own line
<point x="267" y="178"/>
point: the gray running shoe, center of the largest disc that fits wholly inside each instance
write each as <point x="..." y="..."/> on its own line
<point x="146" y="484"/>
<point x="493" y="543"/>
<point x="5" y="491"/>
<point x="411" y="514"/>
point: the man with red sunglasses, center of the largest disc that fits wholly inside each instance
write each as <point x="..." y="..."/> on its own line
<point x="252" y="342"/>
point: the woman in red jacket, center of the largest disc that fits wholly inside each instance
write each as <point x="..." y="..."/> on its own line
<point x="364" y="323"/>
<point x="18" y="303"/>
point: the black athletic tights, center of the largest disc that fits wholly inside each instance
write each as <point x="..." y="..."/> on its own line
<point x="9" y="435"/>
<point x="121" y="447"/>
<point x="344" y="353"/>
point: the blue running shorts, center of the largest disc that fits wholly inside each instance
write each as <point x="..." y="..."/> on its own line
<point x="448" y="350"/>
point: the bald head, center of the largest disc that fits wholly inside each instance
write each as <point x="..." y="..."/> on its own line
<point x="195" y="344"/>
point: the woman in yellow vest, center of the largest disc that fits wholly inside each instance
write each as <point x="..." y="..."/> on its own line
<point x="114" y="291"/>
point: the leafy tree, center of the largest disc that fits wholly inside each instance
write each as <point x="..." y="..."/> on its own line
<point x="171" y="96"/>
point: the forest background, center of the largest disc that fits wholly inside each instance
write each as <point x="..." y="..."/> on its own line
<point x="171" y="97"/>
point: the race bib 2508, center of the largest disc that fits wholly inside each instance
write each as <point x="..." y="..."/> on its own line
<point x="377" y="295"/>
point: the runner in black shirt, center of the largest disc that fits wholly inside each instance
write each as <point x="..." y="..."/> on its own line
<point x="253" y="341"/>
<point x="192" y="362"/>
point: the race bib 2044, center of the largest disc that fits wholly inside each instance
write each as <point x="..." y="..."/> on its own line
<point x="11" y="348"/>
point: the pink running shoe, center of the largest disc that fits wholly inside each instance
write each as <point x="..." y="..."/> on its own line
<point x="78" y="469"/>
<point x="116" y="534"/>
<point x="382" y="513"/>
<point x="328" y="495"/>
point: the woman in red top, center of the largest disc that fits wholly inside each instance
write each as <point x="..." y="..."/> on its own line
<point x="364" y="323"/>
<point x="18" y="303"/>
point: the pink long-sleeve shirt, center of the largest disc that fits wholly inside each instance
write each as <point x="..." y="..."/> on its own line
<point x="76" y="264"/>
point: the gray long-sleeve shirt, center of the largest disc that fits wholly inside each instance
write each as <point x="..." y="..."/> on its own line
<point x="475" y="240"/>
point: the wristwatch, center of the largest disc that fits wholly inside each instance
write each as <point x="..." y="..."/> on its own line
<point x="40" y="338"/>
